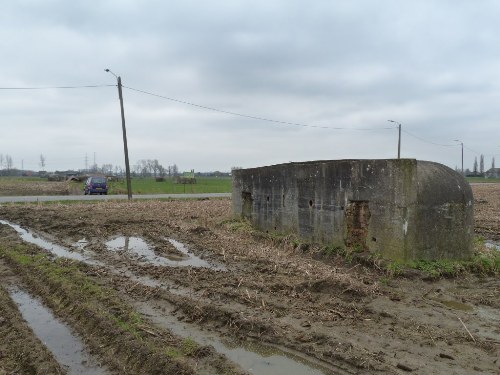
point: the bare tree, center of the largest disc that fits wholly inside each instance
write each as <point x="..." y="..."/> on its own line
<point x="475" y="166"/>
<point x="143" y="168"/>
<point x="161" y="171"/>
<point x="8" y="162"/>
<point x="175" y="170"/>
<point x="156" y="167"/>
<point x="137" y="168"/>
<point x="151" y="167"/>
<point x="1" y="161"/>
<point x="107" y="168"/>
<point x="493" y="163"/>
<point x="481" y="164"/>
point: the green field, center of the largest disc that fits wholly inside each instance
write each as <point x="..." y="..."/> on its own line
<point x="40" y="186"/>
<point x="150" y="186"/>
<point x="21" y="186"/>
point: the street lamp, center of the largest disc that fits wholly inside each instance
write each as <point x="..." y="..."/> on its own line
<point x="399" y="137"/>
<point x="462" y="144"/>
<point x="125" y="148"/>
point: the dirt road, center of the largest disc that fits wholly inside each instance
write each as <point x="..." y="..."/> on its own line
<point x="185" y="267"/>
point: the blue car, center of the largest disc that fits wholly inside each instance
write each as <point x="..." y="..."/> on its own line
<point x="95" y="185"/>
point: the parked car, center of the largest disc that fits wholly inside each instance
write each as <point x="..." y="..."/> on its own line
<point x="95" y="185"/>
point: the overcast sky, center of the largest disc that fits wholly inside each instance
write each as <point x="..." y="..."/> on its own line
<point x="341" y="68"/>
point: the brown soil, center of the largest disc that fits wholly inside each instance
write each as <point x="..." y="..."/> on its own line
<point x="352" y="318"/>
<point x="487" y="210"/>
<point x="42" y="187"/>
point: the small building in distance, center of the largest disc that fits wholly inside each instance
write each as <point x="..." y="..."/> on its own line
<point x="402" y="209"/>
<point x="492" y="173"/>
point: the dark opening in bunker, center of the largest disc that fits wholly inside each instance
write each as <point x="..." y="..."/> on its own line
<point x="247" y="202"/>
<point x="357" y="220"/>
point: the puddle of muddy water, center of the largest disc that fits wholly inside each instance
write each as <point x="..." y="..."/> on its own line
<point x="81" y="244"/>
<point x="492" y="245"/>
<point x="145" y="253"/>
<point x="454" y="304"/>
<point x="55" y="249"/>
<point x="57" y="337"/>
<point x="255" y="358"/>
<point x="193" y="260"/>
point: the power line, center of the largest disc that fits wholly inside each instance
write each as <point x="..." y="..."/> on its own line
<point x="54" y="87"/>
<point x="426" y="141"/>
<point x="251" y="116"/>
<point x="448" y="145"/>
<point x="479" y="153"/>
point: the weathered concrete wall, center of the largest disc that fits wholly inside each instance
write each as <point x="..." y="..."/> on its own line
<point x="401" y="208"/>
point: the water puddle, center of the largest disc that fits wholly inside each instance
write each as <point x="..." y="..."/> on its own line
<point x="57" y="337"/>
<point x="55" y="249"/>
<point x="81" y="244"/>
<point x="454" y="304"/>
<point x="68" y="350"/>
<point x="193" y="260"/>
<point x="492" y="245"/>
<point x="145" y="253"/>
<point x="258" y="359"/>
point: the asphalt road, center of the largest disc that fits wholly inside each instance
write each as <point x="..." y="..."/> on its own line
<point x="46" y="198"/>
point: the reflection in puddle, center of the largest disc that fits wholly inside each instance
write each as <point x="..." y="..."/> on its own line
<point x="68" y="350"/>
<point x="145" y="253"/>
<point x="492" y="245"/>
<point x="252" y="357"/>
<point x="55" y="249"/>
<point x="81" y="244"/>
<point x="193" y="260"/>
<point x="57" y="337"/>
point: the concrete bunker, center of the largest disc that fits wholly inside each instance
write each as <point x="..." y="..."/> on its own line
<point x="403" y="209"/>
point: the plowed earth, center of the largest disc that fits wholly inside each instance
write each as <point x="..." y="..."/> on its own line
<point x="351" y="318"/>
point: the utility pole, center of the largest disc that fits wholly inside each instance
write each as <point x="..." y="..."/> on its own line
<point x="399" y="137"/>
<point x="125" y="147"/>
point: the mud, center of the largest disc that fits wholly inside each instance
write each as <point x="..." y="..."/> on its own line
<point x="341" y="317"/>
<point x="21" y="351"/>
<point x="67" y="348"/>
<point x="41" y="187"/>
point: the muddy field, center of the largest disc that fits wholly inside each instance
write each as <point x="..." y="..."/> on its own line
<point x="179" y="287"/>
<point x="42" y="187"/>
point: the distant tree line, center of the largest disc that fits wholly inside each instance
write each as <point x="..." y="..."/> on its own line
<point x="5" y="161"/>
<point x="478" y="169"/>
<point x="152" y="168"/>
<point x="143" y="168"/>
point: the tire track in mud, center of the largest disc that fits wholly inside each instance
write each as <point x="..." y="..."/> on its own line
<point x="124" y="341"/>
<point x="20" y="350"/>
<point x="67" y="348"/>
<point x="292" y="300"/>
<point x="285" y="360"/>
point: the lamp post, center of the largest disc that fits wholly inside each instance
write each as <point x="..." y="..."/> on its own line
<point x="399" y="137"/>
<point x="125" y="148"/>
<point x="462" y="144"/>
